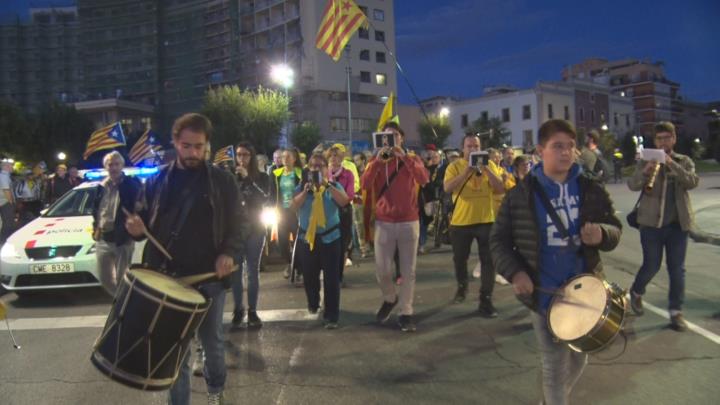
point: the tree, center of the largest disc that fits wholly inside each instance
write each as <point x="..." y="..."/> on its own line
<point x="255" y="116"/>
<point x="492" y="132"/>
<point x="442" y="128"/>
<point x="628" y="149"/>
<point x="14" y="132"/>
<point x="607" y="144"/>
<point x="306" y="136"/>
<point x="60" y="128"/>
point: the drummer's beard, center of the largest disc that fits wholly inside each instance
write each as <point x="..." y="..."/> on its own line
<point x="191" y="163"/>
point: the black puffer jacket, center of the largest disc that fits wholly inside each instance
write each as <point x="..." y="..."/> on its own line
<point x="515" y="238"/>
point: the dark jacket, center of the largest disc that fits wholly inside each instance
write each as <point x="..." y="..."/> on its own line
<point x="254" y="195"/>
<point x="515" y="239"/>
<point x="129" y="190"/>
<point x="57" y="187"/>
<point x="229" y="220"/>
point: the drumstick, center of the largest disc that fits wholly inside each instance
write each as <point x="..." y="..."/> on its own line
<point x="190" y="280"/>
<point x="152" y="239"/>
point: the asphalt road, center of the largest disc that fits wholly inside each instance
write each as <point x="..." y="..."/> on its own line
<point x="454" y="357"/>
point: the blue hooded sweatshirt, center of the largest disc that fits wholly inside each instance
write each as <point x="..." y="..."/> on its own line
<point x="560" y="260"/>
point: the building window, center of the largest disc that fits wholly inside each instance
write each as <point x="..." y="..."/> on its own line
<point x="527" y="138"/>
<point x="506" y="115"/>
<point x="527" y="113"/>
<point x="363" y="33"/>
<point x="592" y="98"/>
<point x="378" y="15"/>
<point x="381" y="79"/>
<point x="365" y="77"/>
<point x="602" y="117"/>
<point x="365" y="54"/>
<point x="380" y="36"/>
<point x="615" y="119"/>
<point x="567" y="112"/>
<point x="464" y="120"/>
<point x="551" y="115"/>
<point x="363" y="9"/>
<point x="380" y="57"/>
<point x="484" y="115"/>
<point x="592" y="116"/>
<point x="627" y="120"/>
<point x="338" y="124"/>
<point x="581" y="114"/>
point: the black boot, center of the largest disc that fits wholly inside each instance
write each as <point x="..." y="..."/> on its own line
<point x="486" y="308"/>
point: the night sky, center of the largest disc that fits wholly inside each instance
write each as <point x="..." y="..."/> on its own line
<point x="457" y="47"/>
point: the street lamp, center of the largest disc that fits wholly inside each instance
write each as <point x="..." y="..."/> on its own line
<point x="282" y="75"/>
<point x="604" y="127"/>
<point x="444" y="112"/>
<point x="61" y="156"/>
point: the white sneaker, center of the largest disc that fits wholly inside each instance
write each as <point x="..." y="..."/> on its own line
<point x="501" y="280"/>
<point x="476" y="271"/>
<point x="348" y="262"/>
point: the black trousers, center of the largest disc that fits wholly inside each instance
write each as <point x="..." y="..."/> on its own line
<point x="325" y="257"/>
<point x="288" y="224"/>
<point x="462" y="238"/>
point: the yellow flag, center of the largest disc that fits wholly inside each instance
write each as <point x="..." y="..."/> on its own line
<point x="387" y="112"/>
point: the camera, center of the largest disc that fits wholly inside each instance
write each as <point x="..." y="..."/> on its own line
<point x="382" y="140"/>
<point x="478" y="159"/>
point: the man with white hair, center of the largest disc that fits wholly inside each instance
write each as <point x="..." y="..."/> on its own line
<point x="113" y="245"/>
<point x="7" y="201"/>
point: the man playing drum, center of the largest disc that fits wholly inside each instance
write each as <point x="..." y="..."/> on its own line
<point x="535" y="252"/>
<point x="193" y="209"/>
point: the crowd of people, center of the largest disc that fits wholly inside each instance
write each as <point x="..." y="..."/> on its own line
<point x="23" y="195"/>
<point x="538" y="220"/>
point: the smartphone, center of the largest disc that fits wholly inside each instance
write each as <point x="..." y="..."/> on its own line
<point x="383" y="139"/>
<point x="315" y="177"/>
<point x="479" y="158"/>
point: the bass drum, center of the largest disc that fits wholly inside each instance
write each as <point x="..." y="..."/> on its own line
<point x="587" y="313"/>
<point x="148" y="330"/>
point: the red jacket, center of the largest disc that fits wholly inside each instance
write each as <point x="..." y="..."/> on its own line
<point x="399" y="203"/>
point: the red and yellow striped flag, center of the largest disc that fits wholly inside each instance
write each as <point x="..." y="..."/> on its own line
<point x="341" y="19"/>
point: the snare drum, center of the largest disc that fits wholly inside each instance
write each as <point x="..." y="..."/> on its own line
<point x="148" y="330"/>
<point x="587" y="313"/>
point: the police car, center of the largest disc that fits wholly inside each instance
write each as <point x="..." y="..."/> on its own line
<point x="56" y="250"/>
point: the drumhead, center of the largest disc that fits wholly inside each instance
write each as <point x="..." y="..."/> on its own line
<point x="577" y="312"/>
<point x="168" y="285"/>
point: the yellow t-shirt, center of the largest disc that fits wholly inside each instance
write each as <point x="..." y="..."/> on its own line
<point x="475" y="204"/>
<point x="508" y="184"/>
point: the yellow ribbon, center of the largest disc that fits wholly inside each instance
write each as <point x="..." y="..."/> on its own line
<point x="317" y="217"/>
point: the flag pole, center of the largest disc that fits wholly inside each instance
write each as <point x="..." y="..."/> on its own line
<point x="348" y="70"/>
<point x="407" y="81"/>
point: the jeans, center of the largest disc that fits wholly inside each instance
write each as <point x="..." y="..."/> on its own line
<point x="561" y="366"/>
<point x="403" y="237"/>
<point x="462" y="238"/>
<point x="210" y="333"/>
<point x="7" y="213"/>
<point x="249" y="262"/>
<point x="113" y="261"/>
<point x="325" y="257"/>
<point x="674" y="240"/>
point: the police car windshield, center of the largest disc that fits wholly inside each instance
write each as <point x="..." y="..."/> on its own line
<point x="77" y="202"/>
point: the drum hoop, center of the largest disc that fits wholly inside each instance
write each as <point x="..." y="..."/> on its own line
<point x="145" y="287"/>
<point x="113" y="370"/>
<point x="603" y="316"/>
<point x="170" y="304"/>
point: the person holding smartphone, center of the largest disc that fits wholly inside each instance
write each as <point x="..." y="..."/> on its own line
<point x="392" y="177"/>
<point x="318" y="204"/>
<point x="472" y="184"/>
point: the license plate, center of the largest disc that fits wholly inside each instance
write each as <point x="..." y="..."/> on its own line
<point x="52" y="268"/>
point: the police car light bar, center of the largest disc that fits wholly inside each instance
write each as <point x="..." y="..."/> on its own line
<point x="97" y="174"/>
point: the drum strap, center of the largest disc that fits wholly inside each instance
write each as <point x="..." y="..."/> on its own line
<point x="551" y="211"/>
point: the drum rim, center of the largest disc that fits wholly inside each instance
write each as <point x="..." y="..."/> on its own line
<point x="156" y="295"/>
<point x="603" y="315"/>
<point x="104" y="365"/>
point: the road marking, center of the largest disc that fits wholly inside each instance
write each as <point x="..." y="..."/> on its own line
<point x="693" y="327"/>
<point x="98" y="321"/>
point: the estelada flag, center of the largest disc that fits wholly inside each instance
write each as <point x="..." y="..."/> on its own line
<point x="341" y="19"/>
<point x="107" y="137"/>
